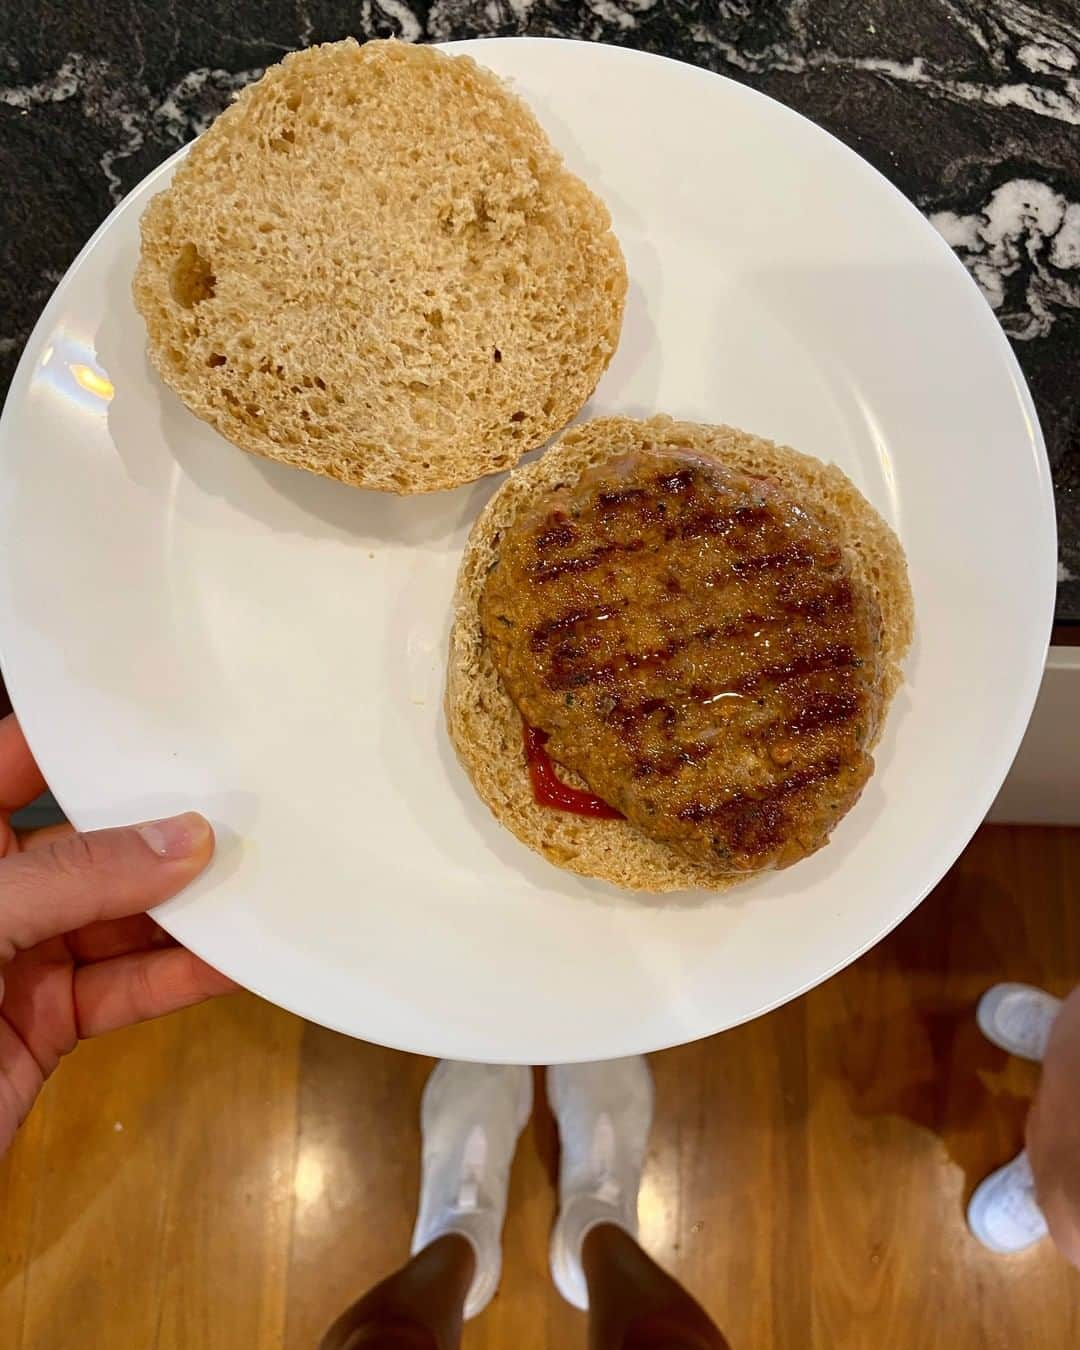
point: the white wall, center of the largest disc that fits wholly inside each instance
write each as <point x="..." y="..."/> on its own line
<point x="1043" y="786"/>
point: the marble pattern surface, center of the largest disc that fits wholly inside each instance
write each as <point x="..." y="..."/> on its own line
<point x="972" y="107"/>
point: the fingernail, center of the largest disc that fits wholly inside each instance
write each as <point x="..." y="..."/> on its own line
<point x="176" y="836"/>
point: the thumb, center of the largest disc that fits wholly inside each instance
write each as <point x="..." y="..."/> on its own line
<point x="81" y="878"/>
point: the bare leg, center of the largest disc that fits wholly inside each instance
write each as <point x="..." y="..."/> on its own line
<point x="419" y="1307"/>
<point x="470" y="1119"/>
<point x="634" y="1305"/>
<point x="1053" y="1132"/>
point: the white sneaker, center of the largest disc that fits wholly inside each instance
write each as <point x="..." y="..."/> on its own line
<point x="1003" y="1213"/>
<point x="1018" y="1018"/>
<point x="470" y="1120"/>
<point x="604" y="1112"/>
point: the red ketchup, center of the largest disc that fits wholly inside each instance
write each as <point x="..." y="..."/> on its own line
<point x="549" y="791"/>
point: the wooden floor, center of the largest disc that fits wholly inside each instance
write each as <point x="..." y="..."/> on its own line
<point x="231" y="1177"/>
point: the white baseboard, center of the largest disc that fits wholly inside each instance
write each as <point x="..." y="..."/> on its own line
<point x="1043" y="786"/>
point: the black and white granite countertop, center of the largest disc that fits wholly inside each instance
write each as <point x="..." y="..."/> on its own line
<point x="971" y="106"/>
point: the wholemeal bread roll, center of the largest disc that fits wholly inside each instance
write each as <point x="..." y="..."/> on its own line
<point x="486" y="727"/>
<point x="375" y="266"/>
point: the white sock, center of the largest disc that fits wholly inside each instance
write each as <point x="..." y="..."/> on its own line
<point x="470" y="1120"/>
<point x="604" y="1112"/>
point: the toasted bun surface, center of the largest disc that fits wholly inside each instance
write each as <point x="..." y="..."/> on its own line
<point x="375" y="266"/>
<point x="484" y="724"/>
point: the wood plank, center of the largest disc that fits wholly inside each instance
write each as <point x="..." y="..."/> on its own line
<point x="526" y="1313"/>
<point x="355" y="1178"/>
<point x="163" y="1185"/>
<point x="912" y="1107"/>
<point x="227" y="1223"/>
<point x="94" y="1256"/>
<point x="19" y="1174"/>
<point x="728" y="1148"/>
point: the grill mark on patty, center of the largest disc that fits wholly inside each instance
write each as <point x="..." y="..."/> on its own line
<point x="749" y="624"/>
<point x="562" y="675"/>
<point x="668" y="763"/>
<point x="795" y="555"/>
<point x="822" y="606"/>
<point x="830" y="657"/>
<point x="612" y="500"/>
<point x="820" y="710"/>
<point x="836" y="599"/>
<point x="676" y="482"/>
<point x="833" y="656"/>
<point x="705" y="523"/>
<point x="824" y="710"/>
<point x="625" y="719"/>
<point x="561" y="534"/>
<point x="753" y="823"/>
<point x="560" y="679"/>
<point x="543" y="632"/>
<point x="546" y="571"/>
<point x="702" y="523"/>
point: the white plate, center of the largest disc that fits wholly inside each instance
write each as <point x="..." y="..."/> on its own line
<point x="184" y="625"/>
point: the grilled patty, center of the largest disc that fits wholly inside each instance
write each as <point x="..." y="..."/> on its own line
<point x="697" y="649"/>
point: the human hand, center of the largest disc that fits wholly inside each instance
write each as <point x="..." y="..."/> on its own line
<point x="78" y="953"/>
